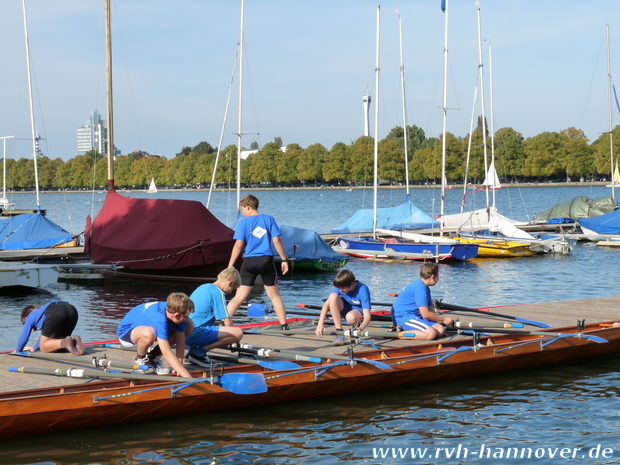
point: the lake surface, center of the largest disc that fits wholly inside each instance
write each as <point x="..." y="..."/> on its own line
<point x="574" y="406"/>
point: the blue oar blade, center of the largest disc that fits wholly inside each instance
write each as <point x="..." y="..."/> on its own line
<point x="279" y="365"/>
<point x="243" y="383"/>
<point x="598" y="339"/>
<point x="258" y="310"/>
<point x="383" y="366"/>
<point x="533" y="323"/>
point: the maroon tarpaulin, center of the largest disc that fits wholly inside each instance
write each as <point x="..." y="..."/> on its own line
<point x="143" y="234"/>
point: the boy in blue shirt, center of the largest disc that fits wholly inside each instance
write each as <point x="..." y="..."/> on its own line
<point x="56" y="320"/>
<point x="413" y="309"/>
<point x="253" y="235"/>
<point x="350" y="300"/>
<point x="210" y="305"/>
<point x="154" y="327"/>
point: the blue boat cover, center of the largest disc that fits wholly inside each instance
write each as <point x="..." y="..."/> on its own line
<point x="306" y="246"/>
<point x="609" y="223"/>
<point x="404" y="216"/>
<point x="31" y="231"/>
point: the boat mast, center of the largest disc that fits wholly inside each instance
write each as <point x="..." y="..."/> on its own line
<point x="402" y="84"/>
<point x="444" y="6"/>
<point x="611" y="119"/>
<point x="376" y="151"/>
<point x="32" y="125"/>
<point x="108" y="67"/>
<point x="240" y="104"/>
<point x="494" y="185"/>
<point x="484" y="124"/>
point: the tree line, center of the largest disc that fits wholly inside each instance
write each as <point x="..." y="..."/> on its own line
<point x="559" y="156"/>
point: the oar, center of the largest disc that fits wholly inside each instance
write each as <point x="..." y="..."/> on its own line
<point x="278" y="353"/>
<point x="237" y="383"/>
<point x="476" y="325"/>
<point x="98" y="362"/>
<point x="598" y="339"/>
<point x="348" y="332"/>
<point x="317" y="307"/>
<point x="275" y="365"/>
<point x="262" y="352"/>
<point x="441" y="305"/>
<point x="260" y="310"/>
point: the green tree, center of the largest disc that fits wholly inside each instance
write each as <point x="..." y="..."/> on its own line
<point x="545" y="153"/>
<point x="509" y="153"/>
<point x="309" y="165"/>
<point x="336" y="166"/>
<point x="361" y="159"/>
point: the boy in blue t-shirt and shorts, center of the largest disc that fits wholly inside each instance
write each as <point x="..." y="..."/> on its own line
<point x="210" y="305"/>
<point x="350" y="300"/>
<point x="254" y="234"/>
<point x="413" y="309"/>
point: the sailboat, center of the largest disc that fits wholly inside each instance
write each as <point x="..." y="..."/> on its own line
<point x="615" y="180"/>
<point x="152" y="187"/>
<point x="160" y="239"/>
<point x="605" y="228"/>
<point x="31" y="230"/>
<point x="392" y="243"/>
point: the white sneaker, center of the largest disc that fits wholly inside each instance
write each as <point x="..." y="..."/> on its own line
<point x="158" y="366"/>
<point x="144" y="361"/>
<point x="339" y="340"/>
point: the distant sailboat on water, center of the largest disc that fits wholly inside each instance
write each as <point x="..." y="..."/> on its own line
<point x="615" y="182"/>
<point x="152" y="187"/>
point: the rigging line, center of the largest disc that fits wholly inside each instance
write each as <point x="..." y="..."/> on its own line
<point x="131" y="94"/>
<point x="593" y="79"/>
<point x="161" y="257"/>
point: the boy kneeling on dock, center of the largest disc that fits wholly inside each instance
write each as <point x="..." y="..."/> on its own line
<point x="154" y="328"/>
<point x="413" y="308"/>
<point x="210" y="305"/>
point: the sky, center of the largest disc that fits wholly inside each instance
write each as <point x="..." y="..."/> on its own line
<point x="307" y="65"/>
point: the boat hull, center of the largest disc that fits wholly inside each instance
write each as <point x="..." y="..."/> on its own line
<point x="27" y="275"/>
<point x="88" y="405"/>
<point x="422" y="250"/>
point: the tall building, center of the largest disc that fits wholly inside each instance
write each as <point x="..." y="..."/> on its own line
<point x="93" y="135"/>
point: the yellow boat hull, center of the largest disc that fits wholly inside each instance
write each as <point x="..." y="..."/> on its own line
<point x="488" y="248"/>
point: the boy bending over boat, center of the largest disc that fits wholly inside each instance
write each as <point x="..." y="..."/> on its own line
<point x="154" y="327"/>
<point x="413" y="309"/>
<point x="253" y="235"/>
<point x="350" y="300"/>
<point x="56" y="320"/>
<point x="210" y="305"/>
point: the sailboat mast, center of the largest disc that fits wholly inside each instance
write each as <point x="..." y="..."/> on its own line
<point x="402" y="84"/>
<point x="376" y="151"/>
<point x="484" y="124"/>
<point x="108" y="68"/>
<point x="445" y="115"/>
<point x="611" y="119"/>
<point x="240" y="104"/>
<point x="32" y="125"/>
<point x="492" y="123"/>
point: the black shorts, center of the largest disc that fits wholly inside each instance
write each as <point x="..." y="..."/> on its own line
<point x="254" y="266"/>
<point x="60" y="320"/>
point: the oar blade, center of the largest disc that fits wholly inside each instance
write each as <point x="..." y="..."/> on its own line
<point x="258" y="310"/>
<point x="383" y="366"/>
<point x="243" y="383"/>
<point x="540" y="324"/>
<point x="598" y="339"/>
<point x="278" y="365"/>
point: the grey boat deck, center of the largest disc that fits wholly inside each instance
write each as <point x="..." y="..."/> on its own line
<point x="557" y="314"/>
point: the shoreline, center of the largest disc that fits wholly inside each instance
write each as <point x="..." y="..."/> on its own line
<point x="312" y="188"/>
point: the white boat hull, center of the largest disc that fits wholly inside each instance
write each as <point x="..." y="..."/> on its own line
<point x="29" y="275"/>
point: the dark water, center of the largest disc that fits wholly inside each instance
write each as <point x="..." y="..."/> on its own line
<point x="540" y="411"/>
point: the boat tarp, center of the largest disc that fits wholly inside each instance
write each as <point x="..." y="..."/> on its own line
<point x="156" y="234"/>
<point x="579" y="207"/>
<point x="31" y="231"/>
<point x="607" y="224"/>
<point x="305" y="245"/>
<point x="404" y="216"/>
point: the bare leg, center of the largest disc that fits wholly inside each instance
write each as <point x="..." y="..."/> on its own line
<point x="48" y="344"/>
<point x="143" y="337"/>
<point x="354" y="316"/>
<point x="278" y="306"/>
<point x="335" y="307"/>
<point x="242" y="293"/>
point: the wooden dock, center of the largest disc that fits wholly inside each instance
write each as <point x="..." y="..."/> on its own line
<point x="557" y="314"/>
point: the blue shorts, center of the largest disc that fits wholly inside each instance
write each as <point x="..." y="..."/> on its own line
<point x="346" y="308"/>
<point x="419" y="324"/>
<point x="202" y="336"/>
